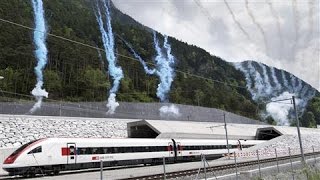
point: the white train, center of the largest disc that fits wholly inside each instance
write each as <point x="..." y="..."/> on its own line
<point x="52" y="155"/>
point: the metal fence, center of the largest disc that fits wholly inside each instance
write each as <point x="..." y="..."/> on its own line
<point x="278" y="163"/>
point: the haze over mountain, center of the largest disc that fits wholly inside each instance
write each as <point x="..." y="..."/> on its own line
<point x="282" y="34"/>
<point x="80" y="73"/>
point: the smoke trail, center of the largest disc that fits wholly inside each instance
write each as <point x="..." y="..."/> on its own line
<point x="258" y="25"/>
<point x="164" y="66"/>
<point x="247" y="76"/>
<point x="165" y="63"/>
<point x="304" y="91"/>
<point x="235" y="20"/>
<point x="296" y="84"/>
<point x="164" y="70"/>
<point x="108" y="43"/>
<point x="266" y="80"/>
<point x="311" y="10"/>
<point x="284" y="80"/>
<point x="204" y="11"/>
<point x="39" y="38"/>
<point x="136" y="55"/>
<point x="258" y="81"/>
<point x="169" y="111"/>
<point x="275" y="79"/>
<point x="296" y="27"/>
<point x="276" y="17"/>
<point x="293" y="83"/>
<point x="299" y="85"/>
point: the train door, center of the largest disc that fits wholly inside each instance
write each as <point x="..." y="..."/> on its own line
<point x="72" y="153"/>
<point x="179" y="149"/>
<point x="170" y="149"/>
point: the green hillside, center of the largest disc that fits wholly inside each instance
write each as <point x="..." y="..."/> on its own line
<point x="76" y="73"/>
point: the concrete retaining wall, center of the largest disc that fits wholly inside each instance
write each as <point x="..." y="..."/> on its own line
<point x="125" y="110"/>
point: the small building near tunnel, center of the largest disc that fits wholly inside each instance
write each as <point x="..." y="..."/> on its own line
<point x="208" y="130"/>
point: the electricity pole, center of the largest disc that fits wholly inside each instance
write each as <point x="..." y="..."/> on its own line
<point x="298" y="128"/>
<point x="225" y="128"/>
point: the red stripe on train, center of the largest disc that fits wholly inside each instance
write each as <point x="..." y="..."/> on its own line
<point x="65" y="151"/>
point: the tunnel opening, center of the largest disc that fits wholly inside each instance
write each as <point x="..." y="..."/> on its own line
<point x="267" y="133"/>
<point x="141" y="130"/>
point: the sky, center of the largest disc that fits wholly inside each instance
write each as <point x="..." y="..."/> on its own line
<point x="280" y="33"/>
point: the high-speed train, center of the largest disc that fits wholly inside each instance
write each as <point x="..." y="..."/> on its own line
<point x="52" y="155"/>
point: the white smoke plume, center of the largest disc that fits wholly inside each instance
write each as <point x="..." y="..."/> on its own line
<point x="304" y="90"/>
<point x="275" y="79"/>
<point x="247" y="76"/>
<point x="283" y="88"/>
<point x="112" y="104"/>
<point x="280" y="110"/>
<point x="267" y="85"/>
<point x="299" y="85"/>
<point x="39" y="38"/>
<point x="293" y="83"/>
<point x="284" y="79"/>
<point x="169" y="111"/>
<point x="258" y="82"/>
<point x="38" y="93"/>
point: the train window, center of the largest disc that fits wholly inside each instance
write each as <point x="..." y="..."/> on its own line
<point x="36" y="150"/>
<point x="106" y="150"/>
<point x="100" y="150"/>
<point x="82" y="150"/>
<point x="95" y="151"/>
<point x="122" y="149"/>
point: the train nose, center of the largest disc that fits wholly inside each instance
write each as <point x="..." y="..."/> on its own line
<point x="10" y="160"/>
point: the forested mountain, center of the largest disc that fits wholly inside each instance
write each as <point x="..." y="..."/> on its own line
<point x="78" y="73"/>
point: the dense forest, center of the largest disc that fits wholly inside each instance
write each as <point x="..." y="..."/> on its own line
<point x="78" y="73"/>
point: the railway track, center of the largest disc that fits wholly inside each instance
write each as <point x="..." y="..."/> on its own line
<point x="217" y="168"/>
<point x="176" y="174"/>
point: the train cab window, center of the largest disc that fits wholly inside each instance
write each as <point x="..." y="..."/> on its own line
<point x="21" y="148"/>
<point x="72" y="149"/>
<point x="36" y="150"/>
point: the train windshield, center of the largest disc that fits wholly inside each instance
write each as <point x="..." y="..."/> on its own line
<point x="21" y="148"/>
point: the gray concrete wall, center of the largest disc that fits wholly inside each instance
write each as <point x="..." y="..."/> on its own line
<point x="125" y="110"/>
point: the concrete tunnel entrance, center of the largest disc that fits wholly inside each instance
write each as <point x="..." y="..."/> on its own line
<point x="141" y="129"/>
<point x="267" y="133"/>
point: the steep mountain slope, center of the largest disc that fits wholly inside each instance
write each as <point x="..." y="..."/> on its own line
<point x="78" y="73"/>
<point x="271" y="84"/>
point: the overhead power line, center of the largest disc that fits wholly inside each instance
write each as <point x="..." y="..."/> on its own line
<point x="121" y="55"/>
